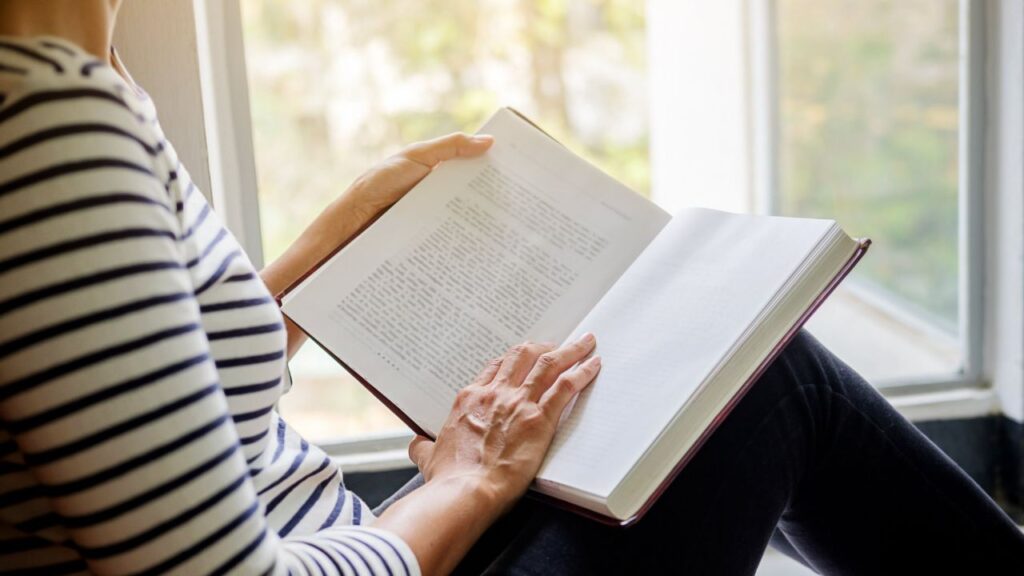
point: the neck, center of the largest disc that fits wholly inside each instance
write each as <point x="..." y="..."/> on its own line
<point x="87" y="23"/>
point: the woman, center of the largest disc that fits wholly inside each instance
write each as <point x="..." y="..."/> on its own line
<point x="141" y="357"/>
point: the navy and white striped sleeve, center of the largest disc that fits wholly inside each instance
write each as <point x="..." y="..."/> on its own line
<point x="107" y="386"/>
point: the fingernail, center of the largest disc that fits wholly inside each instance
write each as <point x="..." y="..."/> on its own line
<point x="483" y="138"/>
<point x="597" y="361"/>
<point x="588" y="337"/>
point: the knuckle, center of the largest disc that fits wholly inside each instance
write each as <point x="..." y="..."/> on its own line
<point x="488" y="396"/>
<point x="487" y="373"/>
<point x="532" y="417"/>
<point x="502" y="407"/>
<point x="565" y="383"/>
<point x="547" y="360"/>
<point x="520" y="349"/>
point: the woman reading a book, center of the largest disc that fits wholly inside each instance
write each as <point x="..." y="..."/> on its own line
<point x="141" y="357"/>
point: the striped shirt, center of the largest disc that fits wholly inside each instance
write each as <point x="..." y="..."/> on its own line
<point x="141" y="357"/>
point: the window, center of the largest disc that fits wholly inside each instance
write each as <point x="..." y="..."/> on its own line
<point x="835" y="108"/>
<point x="844" y="109"/>
<point x="867" y="97"/>
<point x="336" y="85"/>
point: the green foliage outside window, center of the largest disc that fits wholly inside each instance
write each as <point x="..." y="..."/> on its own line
<point x="868" y="96"/>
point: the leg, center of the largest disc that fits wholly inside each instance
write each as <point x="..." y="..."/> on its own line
<point x="781" y="543"/>
<point x="878" y="496"/>
<point x="812" y="450"/>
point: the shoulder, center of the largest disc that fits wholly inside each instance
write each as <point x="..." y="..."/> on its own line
<point x="53" y="91"/>
<point x="40" y="71"/>
<point x="71" y="128"/>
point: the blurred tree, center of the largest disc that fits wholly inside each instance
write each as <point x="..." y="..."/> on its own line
<point x="337" y="84"/>
<point x="868" y="95"/>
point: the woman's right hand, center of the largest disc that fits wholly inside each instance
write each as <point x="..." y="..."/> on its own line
<point x="502" y="424"/>
<point x="488" y="451"/>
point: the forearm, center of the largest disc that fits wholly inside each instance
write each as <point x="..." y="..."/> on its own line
<point x="441" y="520"/>
<point x="338" y="223"/>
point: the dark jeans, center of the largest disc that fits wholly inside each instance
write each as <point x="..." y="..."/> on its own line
<point x="812" y="461"/>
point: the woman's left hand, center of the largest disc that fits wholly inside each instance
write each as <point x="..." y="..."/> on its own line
<point x="386" y="183"/>
<point x="378" y="188"/>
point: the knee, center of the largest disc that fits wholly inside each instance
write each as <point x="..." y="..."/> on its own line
<point x="803" y="346"/>
<point x="803" y="363"/>
<point x="806" y="363"/>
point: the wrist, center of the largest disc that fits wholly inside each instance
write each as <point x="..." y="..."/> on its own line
<point x="333" y="227"/>
<point x="484" y="490"/>
<point x="356" y="203"/>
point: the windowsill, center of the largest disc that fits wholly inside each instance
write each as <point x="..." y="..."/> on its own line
<point x="376" y="453"/>
<point x="886" y="345"/>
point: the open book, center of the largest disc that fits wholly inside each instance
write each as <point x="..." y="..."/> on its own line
<point x="530" y="242"/>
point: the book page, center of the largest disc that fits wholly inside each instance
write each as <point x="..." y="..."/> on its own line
<point x="484" y="253"/>
<point x="665" y="327"/>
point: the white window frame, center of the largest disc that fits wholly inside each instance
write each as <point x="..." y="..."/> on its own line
<point x="964" y="394"/>
<point x="225" y="88"/>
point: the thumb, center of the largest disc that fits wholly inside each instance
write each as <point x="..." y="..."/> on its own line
<point x="420" y="450"/>
<point x="433" y="152"/>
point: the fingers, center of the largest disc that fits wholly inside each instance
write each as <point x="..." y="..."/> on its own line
<point x="419" y="451"/>
<point x="432" y="152"/>
<point x="552" y="363"/>
<point x="518" y="362"/>
<point x="490" y="370"/>
<point x="568" y="385"/>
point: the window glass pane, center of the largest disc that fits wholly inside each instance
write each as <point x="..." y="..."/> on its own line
<point x="868" y="127"/>
<point x="337" y="85"/>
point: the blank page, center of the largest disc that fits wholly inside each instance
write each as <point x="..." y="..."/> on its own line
<point x="664" y="327"/>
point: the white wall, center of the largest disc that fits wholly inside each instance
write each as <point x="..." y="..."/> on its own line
<point x="189" y="56"/>
<point x="699" y="116"/>
<point x="157" y="42"/>
<point x="1004" y="185"/>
